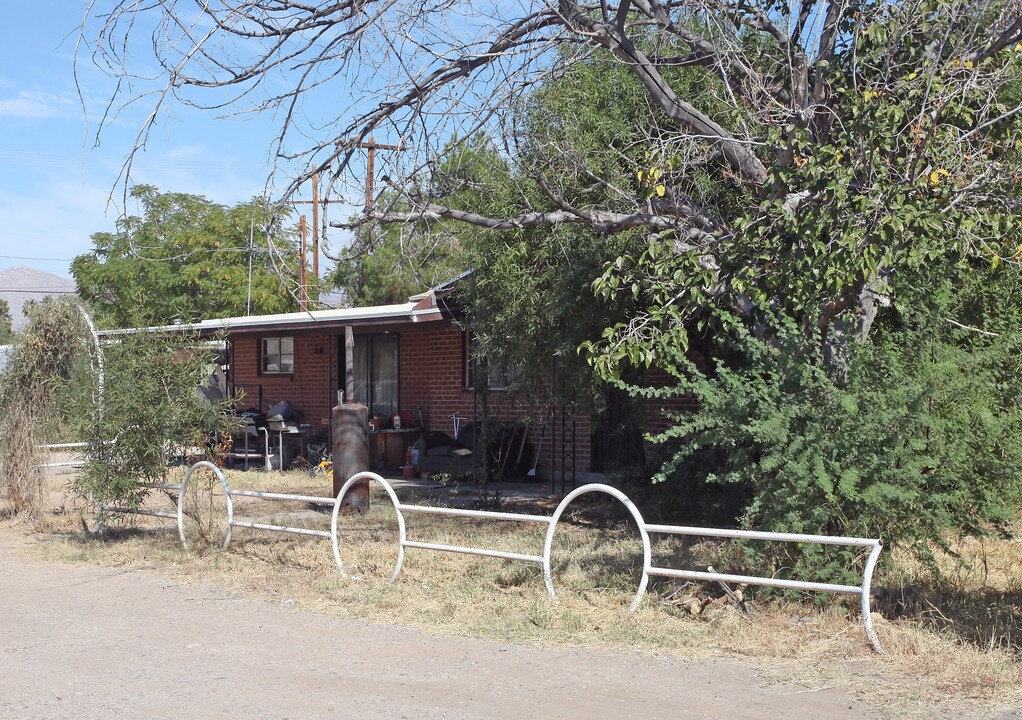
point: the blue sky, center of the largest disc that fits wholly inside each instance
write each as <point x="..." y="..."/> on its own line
<point x="57" y="187"/>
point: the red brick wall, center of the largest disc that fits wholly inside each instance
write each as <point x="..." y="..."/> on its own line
<point x="308" y="389"/>
<point x="432" y="377"/>
<point x="654" y="409"/>
<point x="431" y="358"/>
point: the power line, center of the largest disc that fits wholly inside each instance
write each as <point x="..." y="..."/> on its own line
<point x="43" y="234"/>
<point x="23" y="257"/>
<point x="58" y="160"/>
<point x="45" y="291"/>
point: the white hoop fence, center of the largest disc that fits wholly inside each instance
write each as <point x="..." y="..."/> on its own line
<point x="230" y="493"/>
<point x="863" y="590"/>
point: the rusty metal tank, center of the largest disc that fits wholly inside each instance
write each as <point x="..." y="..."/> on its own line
<point x="349" y="444"/>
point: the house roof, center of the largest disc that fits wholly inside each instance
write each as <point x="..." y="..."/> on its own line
<point x="419" y="308"/>
<point x="20" y="285"/>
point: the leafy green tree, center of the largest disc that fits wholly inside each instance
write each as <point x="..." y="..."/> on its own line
<point x="383" y="266"/>
<point x="6" y="323"/>
<point x="912" y="446"/>
<point x="914" y="163"/>
<point x="919" y="443"/>
<point x="387" y="264"/>
<point x="187" y="258"/>
<point x="801" y="176"/>
<point x="530" y="293"/>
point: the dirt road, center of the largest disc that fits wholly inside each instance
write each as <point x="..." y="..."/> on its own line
<point x="91" y="643"/>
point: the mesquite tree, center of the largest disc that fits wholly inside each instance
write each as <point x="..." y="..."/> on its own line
<point x="847" y="139"/>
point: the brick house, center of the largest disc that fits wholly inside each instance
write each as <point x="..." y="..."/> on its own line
<point x="411" y="359"/>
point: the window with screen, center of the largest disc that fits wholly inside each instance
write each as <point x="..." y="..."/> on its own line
<point x="277" y="356"/>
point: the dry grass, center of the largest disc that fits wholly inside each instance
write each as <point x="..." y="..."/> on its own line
<point x="21" y="481"/>
<point x="929" y="670"/>
<point x="975" y="597"/>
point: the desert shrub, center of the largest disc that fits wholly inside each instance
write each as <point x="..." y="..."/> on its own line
<point x="917" y="440"/>
<point x="152" y="412"/>
<point x="53" y="346"/>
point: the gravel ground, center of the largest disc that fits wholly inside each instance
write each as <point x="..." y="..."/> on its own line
<point x="88" y="642"/>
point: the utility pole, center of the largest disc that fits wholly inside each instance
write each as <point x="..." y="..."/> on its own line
<point x="369" y="145"/>
<point x="315" y="226"/>
<point x="372" y="146"/>
<point x="315" y="202"/>
<point x="248" y="300"/>
<point x="304" y="298"/>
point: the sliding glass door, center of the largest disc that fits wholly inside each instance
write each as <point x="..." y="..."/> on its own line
<point x="375" y="364"/>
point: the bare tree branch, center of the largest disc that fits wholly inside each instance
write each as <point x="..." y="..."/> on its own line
<point x="606" y="222"/>
<point x="738" y="155"/>
<point x="756" y="113"/>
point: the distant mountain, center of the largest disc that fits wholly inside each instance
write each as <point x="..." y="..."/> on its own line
<point x="20" y="284"/>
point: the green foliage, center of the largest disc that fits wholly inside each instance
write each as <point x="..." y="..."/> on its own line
<point x="530" y="294"/>
<point x="593" y="138"/>
<point x="919" y="442"/>
<point x="914" y="161"/>
<point x="903" y="191"/>
<point x="186" y="258"/>
<point x="901" y="185"/>
<point x="391" y="263"/>
<point x="151" y="412"/>
<point x="531" y="309"/>
<point x="6" y="323"/>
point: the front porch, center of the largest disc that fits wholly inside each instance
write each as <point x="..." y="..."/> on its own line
<point x="412" y="372"/>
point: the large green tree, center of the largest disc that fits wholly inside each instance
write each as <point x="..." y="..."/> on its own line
<point x="530" y="294"/>
<point x="384" y="265"/>
<point x="860" y="138"/>
<point x="912" y="159"/>
<point x="388" y="263"/>
<point x="187" y="258"/>
<point x="918" y="439"/>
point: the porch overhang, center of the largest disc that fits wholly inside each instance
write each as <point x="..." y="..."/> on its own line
<point x="419" y="309"/>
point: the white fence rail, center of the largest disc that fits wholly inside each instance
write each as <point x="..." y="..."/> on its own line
<point x="875" y="546"/>
<point x="64" y="446"/>
<point x="230" y="493"/>
<point x="68" y="446"/>
<point x="648" y="569"/>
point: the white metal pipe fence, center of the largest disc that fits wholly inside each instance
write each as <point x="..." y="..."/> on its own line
<point x="177" y="516"/>
<point x="64" y="446"/>
<point x="403" y="541"/>
<point x="68" y="446"/>
<point x="862" y="590"/>
<point x="230" y="493"/>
